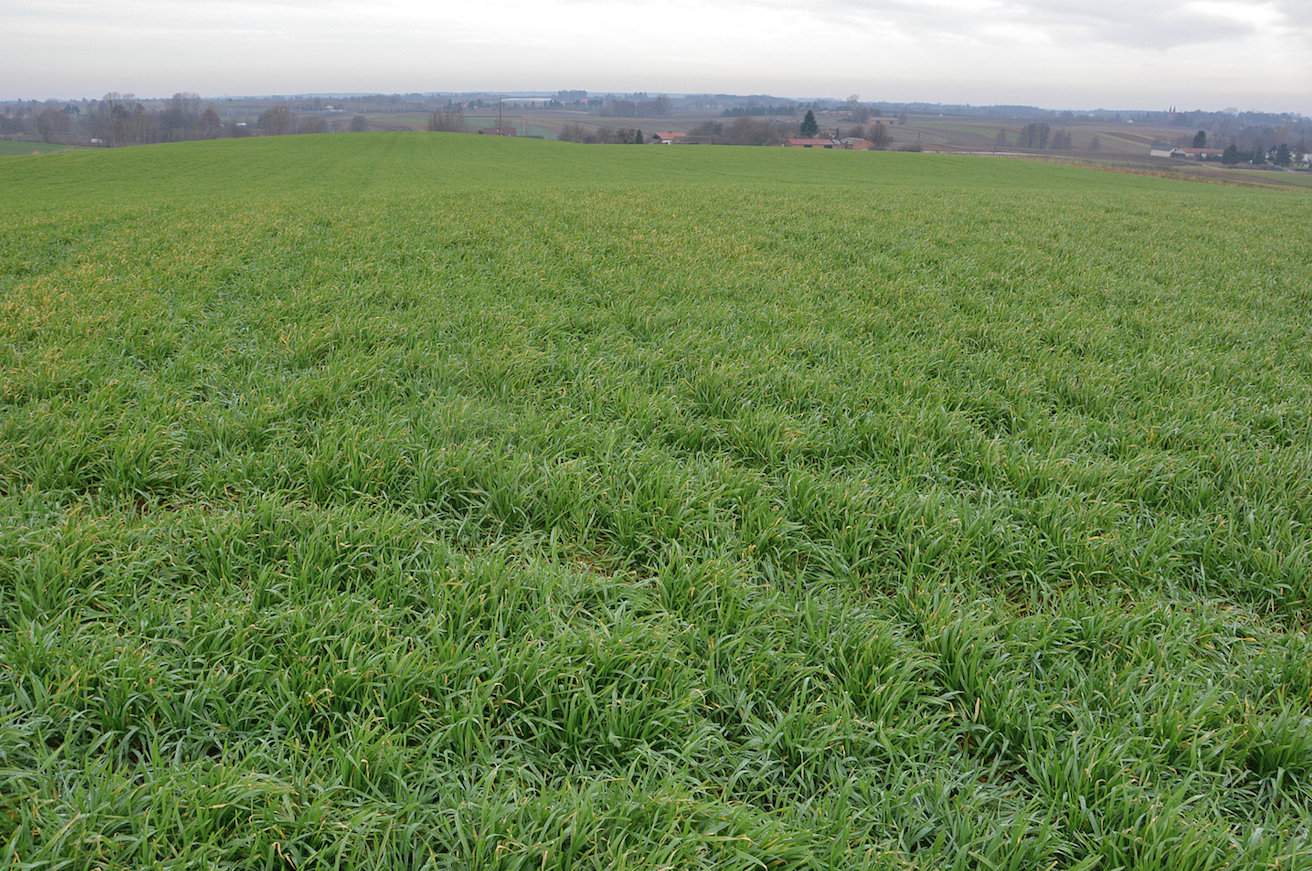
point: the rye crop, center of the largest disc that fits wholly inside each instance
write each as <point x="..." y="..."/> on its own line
<point x="405" y="500"/>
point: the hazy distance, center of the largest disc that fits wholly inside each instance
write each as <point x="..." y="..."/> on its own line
<point x="1208" y="54"/>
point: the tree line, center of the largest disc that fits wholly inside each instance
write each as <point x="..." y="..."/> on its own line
<point x="574" y="132"/>
<point x="637" y="106"/>
<point x="742" y="130"/>
<point x="122" y="119"/>
<point x="752" y="110"/>
<point x="1040" y="137"/>
<point x="1282" y="155"/>
<point x="1255" y="152"/>
<point x="448" y="120"/>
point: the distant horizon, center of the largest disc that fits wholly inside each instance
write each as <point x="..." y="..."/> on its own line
<point x="544" y="92"/>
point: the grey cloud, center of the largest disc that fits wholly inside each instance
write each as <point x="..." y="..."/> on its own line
<point x="1134" y="23"/>
<point x="1081" y="52"/>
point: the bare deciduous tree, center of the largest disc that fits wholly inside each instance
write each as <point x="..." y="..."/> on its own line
<point x="210" y="124"/>
<point x="276" y="121"/>
<point x="449" y="120"/>
<point x="573" y="132"/>
<point x="52" y="124"/>
<point x="878" y="134"/>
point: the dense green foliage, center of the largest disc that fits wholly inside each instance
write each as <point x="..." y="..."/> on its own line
<point x="394" y="500"/>
<point x="809" y="126"/>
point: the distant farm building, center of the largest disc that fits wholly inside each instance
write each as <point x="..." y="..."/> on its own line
<point x="1200" y="153"/>
<point x="804" y="142"/>
<point x="527" y="102"/>
<point x="668" y="137"/>
<point x="1187" y="153"/>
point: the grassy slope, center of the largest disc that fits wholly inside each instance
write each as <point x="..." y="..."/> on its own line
<point x="406" y="498"/>
<point x="9" y="147"/>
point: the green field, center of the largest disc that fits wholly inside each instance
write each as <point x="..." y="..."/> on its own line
<point x="409" y="500"/>
<point x="10" y="147"/>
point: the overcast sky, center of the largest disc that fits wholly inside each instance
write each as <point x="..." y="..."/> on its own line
<point x="1059" y="53"/>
